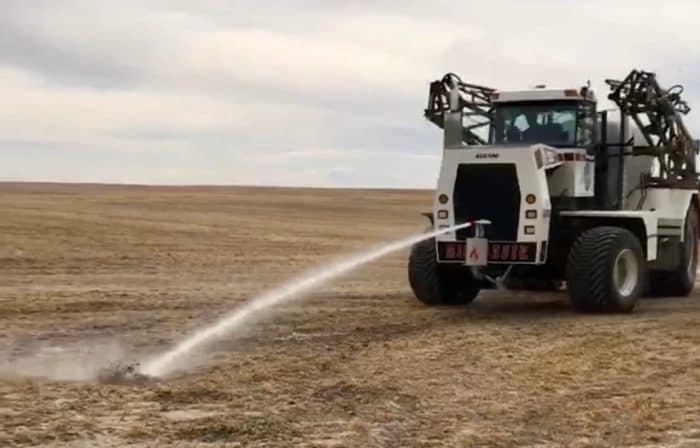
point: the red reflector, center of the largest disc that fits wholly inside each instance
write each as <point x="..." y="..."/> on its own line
<point x="568" y="156"/>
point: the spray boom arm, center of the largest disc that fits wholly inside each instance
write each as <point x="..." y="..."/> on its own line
<point x="472" y="100"/>
<point x="658" y="113"/>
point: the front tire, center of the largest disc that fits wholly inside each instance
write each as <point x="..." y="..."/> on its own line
<point x="438" y="284"/>
<point x="605" y="270"/>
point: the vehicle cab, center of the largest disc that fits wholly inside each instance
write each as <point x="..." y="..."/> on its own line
<point x="561" y="118"/>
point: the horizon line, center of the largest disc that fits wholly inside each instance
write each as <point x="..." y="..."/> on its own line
<point x="194" y="185"/>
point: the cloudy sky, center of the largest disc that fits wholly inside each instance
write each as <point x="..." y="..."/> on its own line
<point x="319" y="93"/>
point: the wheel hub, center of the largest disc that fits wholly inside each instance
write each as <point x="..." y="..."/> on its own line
<point x="626" y="272"/>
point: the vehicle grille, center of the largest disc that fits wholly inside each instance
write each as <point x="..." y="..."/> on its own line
<point x="488" y="191"/>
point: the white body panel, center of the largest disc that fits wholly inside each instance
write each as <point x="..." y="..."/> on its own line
<point x="670" y="206"/>
<point x="663" y="211"/>
<point x="531" y="179"/>
<point x="541" y="95"/>
<point x="574" y="178"/>
<point x="649" y="218"/>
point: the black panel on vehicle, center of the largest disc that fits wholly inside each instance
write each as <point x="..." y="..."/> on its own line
<point x="488" y="191"/>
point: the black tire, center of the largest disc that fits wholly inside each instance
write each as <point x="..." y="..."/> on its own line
<point x="680" y="283"/>
<point x="591" y="270"/>
<point x="436" y="284"/>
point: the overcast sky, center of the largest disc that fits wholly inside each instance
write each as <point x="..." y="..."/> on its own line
<point x="319" y="93"/>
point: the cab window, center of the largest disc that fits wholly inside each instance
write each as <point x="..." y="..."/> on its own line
<point x="552" y="123"/>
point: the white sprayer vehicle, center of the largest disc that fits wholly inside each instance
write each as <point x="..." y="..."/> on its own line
<point x="560" y="193"/>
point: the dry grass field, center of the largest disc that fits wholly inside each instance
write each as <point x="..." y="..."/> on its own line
<point x="92" y="275"/>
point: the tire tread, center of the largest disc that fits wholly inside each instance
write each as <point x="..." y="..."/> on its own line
<point x="589" y="269"/>
<point x="434" y="284"/>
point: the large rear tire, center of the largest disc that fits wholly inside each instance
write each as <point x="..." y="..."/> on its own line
<point x="680" y="282"/>
<point x="605" y="270"/>
<point x="438" y="284"/>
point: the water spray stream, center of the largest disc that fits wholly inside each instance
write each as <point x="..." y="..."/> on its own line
<point x="167" y="362"/>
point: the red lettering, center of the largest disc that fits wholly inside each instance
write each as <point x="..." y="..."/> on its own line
<point x="495" y="252"/>
<point x="513" y="252"/>
<point x="505" y="250"/>
<point x="450" y="251"/>
<point x="524" y="253"/>
<point x="460" y="251"/>
<point x="474" y="254"/>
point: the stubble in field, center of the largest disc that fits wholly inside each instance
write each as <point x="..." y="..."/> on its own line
<point x="116" y="274"/>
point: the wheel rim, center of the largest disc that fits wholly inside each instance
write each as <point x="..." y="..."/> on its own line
<point x="626" y="272"/>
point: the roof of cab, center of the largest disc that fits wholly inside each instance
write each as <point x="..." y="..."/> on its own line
<point x="541" y="94"/>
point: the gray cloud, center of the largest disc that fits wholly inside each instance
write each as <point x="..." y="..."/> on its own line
<point x="282" y="92"/>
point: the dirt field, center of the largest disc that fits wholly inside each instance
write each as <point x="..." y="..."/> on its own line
<point x="113" y="272"/>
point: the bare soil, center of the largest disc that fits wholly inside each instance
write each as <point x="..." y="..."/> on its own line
<point x="94" y="276"/>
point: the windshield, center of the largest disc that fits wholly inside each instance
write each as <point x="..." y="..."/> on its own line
<point x="550" y="123"/>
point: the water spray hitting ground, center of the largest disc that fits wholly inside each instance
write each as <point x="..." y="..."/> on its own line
<point x="168" y="361"/>
<point x="77" y="361"/>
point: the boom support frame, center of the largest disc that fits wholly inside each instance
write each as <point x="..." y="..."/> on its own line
<point x="658" y="114"/>
<point x="474" y="103"/>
